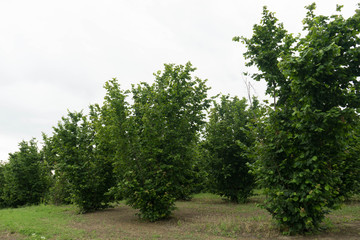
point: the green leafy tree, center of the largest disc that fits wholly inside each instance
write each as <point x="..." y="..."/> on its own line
<point x="228" y="141"/>
<point x="201" y="182"/>
<point x="302" y="152"/>
<point x="60" y="190"/>
<point x="163" y="129"/>
<point x="111" y="139"/>
<point x="2" y="183"/>
<point x="269" y="42"/>
<point x="351" y="166"/>
<point x="104" y="133"/>
<point x="24" y="176"/>
<point x="73" y="146"/>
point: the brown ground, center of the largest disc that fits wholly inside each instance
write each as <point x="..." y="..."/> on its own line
<point x="11" y="236"/>
<point x="204" y="219"/>
<point x="211" y="219"/>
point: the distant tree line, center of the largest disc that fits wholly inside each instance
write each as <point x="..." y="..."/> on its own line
<point x="173" y="140"/>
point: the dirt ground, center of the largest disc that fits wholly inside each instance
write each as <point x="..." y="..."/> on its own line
<point x="11" y="236"/>
<point x="201" y="220"/>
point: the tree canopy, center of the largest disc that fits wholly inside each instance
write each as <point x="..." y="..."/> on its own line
<point x="164" y="125"/>
<point x="316" y="78"/>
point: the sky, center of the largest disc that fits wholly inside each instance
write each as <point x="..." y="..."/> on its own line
<point x="55" y="56"/>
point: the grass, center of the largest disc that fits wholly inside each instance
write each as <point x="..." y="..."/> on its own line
<point x="41" y="222"/>
<point x="206" y="216"/>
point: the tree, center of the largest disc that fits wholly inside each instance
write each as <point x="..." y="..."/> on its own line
<point x="73" y="146"/>
<point x="306" y="135"/>
<point x="264" y="50"/>
<point x="2" y="183"/>
<point x="351" y="166"/>
<point x="111" y="139"/>
<point x="60" y="190"/>
<point x="24" y="176"/>
<point x="228" y="141"/>
<point x="163" y="129"/>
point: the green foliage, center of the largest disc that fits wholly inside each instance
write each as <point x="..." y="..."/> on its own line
<point x="351" y="166"/>
<point x="84" y="150"/>
<point x="60" y="190"/>
<point x="73" y="149"/>
<point x="111" y="140"/>
<point x="270" y="40"/>
<point x="163" y="131"/>
<point x="25" y="180"/>
<point x="228" y="141"/>
<point x="2" y="183"/>
<point x="201" y="181"/>
<point x="303" y="159"/>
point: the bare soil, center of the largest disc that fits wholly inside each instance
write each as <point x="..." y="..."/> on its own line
<point x="206" y="219"/>
<point x="203" y="218"/>
<point x="11" y="236"/>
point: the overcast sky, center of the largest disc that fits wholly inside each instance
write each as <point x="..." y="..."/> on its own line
<point x="56" y="55"/>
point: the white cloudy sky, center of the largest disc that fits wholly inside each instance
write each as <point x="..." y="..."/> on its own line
<point x="56" y="55"/>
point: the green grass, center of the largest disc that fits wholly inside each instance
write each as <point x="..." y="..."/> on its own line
<point x="206" y="216"/>
<point x="40" y="222"/>
<point x="350" y="212"/>
<point x="206" y="196"/>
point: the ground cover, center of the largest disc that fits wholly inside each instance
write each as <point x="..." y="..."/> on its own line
<point x="206" y="216"/>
